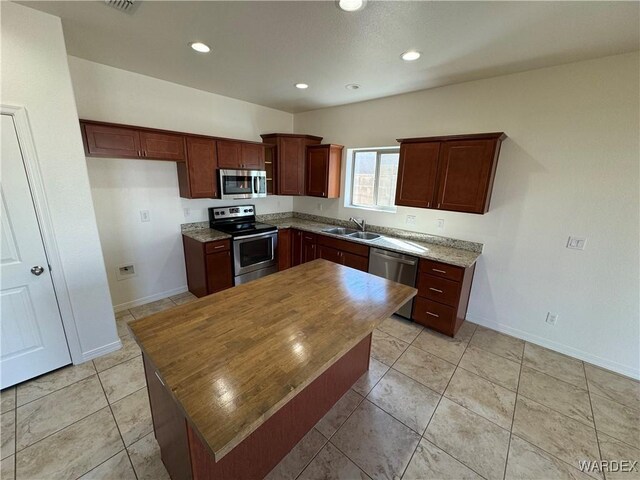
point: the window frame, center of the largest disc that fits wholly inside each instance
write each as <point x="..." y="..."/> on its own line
<point x="379" y="151"/>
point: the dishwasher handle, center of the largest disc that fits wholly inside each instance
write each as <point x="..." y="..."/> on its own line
<point x="377" y="253"/>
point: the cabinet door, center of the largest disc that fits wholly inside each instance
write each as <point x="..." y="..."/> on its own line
<point x="284" y="249"/>
<point x="330" y="254"/>
<point x="296" y="247"/>
<point x="466" y="173"/>
<point x="229" y="154"/>
<point x="162" y="146"/>
<point x="106" y="141"/>
<point x="200" y="181"/>
<point x="219" y="271"/>
<point x="355" y="261"/>
<point x="308" y="247"/>
<point x="252" y="156"/>
<point x="290" y="166"/>
<point x="317" y="172"/>
<point x="417" y="172"/>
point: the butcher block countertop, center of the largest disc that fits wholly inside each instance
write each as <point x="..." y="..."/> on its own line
<point x="233" y="359"/>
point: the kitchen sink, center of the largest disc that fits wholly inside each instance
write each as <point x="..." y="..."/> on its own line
<point x="364" y="235"/>
<point x="340" y="231"/>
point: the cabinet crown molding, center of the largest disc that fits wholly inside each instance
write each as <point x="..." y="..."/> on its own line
<point x="444" y="138"/>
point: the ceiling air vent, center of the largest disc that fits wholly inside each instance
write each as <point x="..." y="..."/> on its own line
<point x="123" y="5"/>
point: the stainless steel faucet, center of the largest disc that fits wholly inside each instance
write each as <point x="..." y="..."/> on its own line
<point x="362" y="224"/>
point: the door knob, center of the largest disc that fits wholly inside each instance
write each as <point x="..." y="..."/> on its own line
<point x="37" y="270"/>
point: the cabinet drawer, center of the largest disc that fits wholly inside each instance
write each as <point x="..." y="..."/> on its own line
<point x="438" y="289"/>
<point x="345" y="246"/>
<point x="434" y="315"/>
<point x="443" y="270"/>
<point x="219" y="246"/>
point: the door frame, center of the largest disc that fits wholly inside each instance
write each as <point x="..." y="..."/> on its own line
<point x="41" y="206"/>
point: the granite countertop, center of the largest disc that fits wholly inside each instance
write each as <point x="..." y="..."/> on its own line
<point x="205" y="235"/>
<point x="431" y="251"/>
<point x="441" y="249"/>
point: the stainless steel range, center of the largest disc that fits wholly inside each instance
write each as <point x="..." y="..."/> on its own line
<point x="254" y="244"/>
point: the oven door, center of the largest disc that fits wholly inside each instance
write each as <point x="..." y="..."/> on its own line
<point x="254" y="252"/>
<point x="240" y="184"/>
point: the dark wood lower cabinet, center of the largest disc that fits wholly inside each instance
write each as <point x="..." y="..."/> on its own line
<point x="185" y="455"/>
<point x="296" y="247"/>
<point x="443" y="296"/>
<point x="309" y="247"/>
<point x="284" y="249"/>
<point x="209" y="266"/>
<point x="346" y="253"/>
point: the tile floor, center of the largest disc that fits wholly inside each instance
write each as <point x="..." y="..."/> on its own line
<point x="482" y="405"/>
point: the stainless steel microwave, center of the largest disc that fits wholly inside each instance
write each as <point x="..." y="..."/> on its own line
<point x="238" y="184"/>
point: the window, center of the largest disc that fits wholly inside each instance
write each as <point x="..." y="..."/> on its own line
<point x="374" y="174"/>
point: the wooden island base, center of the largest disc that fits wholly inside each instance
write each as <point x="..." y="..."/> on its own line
<point x="186" y="456"/>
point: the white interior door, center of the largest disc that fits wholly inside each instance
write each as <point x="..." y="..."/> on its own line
<point x="32" y="338"/>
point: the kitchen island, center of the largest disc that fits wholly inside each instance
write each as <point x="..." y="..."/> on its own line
<point x="237" y="378"/>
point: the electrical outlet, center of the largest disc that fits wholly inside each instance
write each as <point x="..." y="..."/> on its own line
<point x="144" y="216"/>
<point x="410" y="220"/>
<point x="124" y="271"/>
<point x="576" y="243"/>
<point x="440" y="224"/>
<point x="320" y="206"/>
<point x="187" y="212"/>
<point x="552" y="318"/>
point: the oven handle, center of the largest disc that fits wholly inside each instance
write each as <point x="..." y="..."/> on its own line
<point x="269" y="234"/>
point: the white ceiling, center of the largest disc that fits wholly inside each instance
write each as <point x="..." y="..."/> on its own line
<point x="260" y="49"/>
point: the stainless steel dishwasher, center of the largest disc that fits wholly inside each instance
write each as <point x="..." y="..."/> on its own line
<point x="397" y="267"/>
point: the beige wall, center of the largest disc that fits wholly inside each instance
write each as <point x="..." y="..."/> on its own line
<point x="35" y="75"/>
<point x="121" y="188"/>
<point x="569" y="167"/>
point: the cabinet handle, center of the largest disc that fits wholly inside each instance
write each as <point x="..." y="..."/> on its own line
<point x="219" y="246"/>
<point x="439" y="271"/>
<point x="158" y="376"/>
<point x="435" y="290"/>
<point x="139" y="153"/>
<point x="433" y="314"/>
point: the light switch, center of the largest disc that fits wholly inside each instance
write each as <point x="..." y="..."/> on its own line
<point x="144" y="216"/>
<point x="440" y="224"/>
<point x="576" y="243"/>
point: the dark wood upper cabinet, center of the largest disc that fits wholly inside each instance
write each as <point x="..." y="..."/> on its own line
<point x="162" y="146"/>
<point x="323" y="170"/>
<point x="448" y="173"/>
<point x="289" y="157"/>
<point x="197" y="176"/>
<point x="229" y="154"/>
<point x="467" y="170"/>
<point x="240" y="155"/>
<point x="111" y="141"/>
<point x="417" y="174"/>
<point x="252" y="156"/>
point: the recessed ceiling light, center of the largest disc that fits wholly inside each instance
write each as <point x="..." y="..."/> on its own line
<point x="200" y="47"/>
<point x="351" y="5"/>
<point x="302" y="86"/>
<point x="410" y="55"/>
<point x="352" y="86"/>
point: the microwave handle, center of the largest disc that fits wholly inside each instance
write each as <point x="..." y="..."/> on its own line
<point x="255" y="185"/>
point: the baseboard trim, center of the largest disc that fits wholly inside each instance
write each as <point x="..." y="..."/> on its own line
<point x="558" y="347"/>
<point x="103" y="350"/>
<point x="150" y="298"/>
